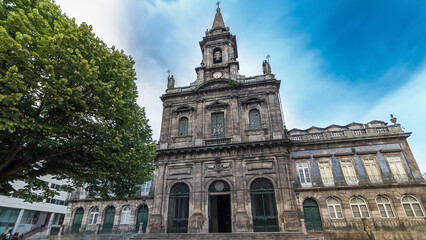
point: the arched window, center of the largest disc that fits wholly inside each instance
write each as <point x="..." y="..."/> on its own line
<point x="359" y="208"/>
<point x="93" y="217"/>
<point x="177" y="221"/>
<point x="125" y="215"/>
<point x="254" y="119"/>
<point x="264" y="206"/>
<point x="217" y="55"/>
<point x="412" y="206"/>
<point x="385" y="207"/>
<point x="183" y="126"/>
<point x="334" y="208"/>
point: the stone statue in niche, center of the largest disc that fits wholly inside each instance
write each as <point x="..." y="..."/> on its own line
<point x="266" y="67"/>
<point x="170" y="82"/>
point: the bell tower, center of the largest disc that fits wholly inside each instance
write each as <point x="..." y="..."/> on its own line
<point x="219" y="51"/>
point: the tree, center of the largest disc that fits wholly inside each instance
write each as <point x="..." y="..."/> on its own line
<point x="67" y="106"/>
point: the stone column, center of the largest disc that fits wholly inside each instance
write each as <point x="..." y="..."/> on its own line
<point x="239" y="202"/>
<point x="156" y="220"/>
<point x="196" y="221"/>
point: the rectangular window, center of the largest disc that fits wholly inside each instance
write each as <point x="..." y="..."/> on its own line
<point x="305" y="177"/>
<point x="372" y="170"/>
<point x="349" y="172"/>
<point x="397" y="169"/>
<point x="145" y="188"/>
<point x="326" y="173"/>
<point x="218" y="125"/>
<point x="28" y="216"/>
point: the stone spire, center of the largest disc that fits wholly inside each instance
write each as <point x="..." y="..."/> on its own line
<point x="218" y="23"/>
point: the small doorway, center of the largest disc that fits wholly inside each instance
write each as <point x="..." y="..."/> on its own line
<point x="312" y="215"/>
<point x="108" y="220"/>
<point x="142" y="217"/>
<point x="76" y="223"/>
<point x="219" y="207"/>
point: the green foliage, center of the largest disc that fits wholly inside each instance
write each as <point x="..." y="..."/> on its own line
<point x="67" y="106"/>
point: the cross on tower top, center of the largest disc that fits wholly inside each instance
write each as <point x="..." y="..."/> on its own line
<point x="168" y="72"/>
<point x="218" y="3"/>
<point x="267" y="57"/>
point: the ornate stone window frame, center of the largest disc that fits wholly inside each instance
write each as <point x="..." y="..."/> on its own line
<point x="374" y="178"/>
<point x="384" y="207"/>
<point x="326" y="180"/>
<point x="399" y="171"/>
<point x="343" y="162"/>
<point x="358" y="205"/>
<point x="126" y="212"/>
<point x="93" y="216"/>
<point x="306" y="171"/>
<point x="334" y="208"/>
<point x="410" y="205"/>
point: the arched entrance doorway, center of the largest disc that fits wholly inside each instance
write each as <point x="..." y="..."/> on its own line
<point x="142" y="217"/>
<point x="312" y="215"/>
<point x="76" y="222"/>
<point x="263" y="206"/>
<point x="177" y="218"/>
<point x="220" y="207"/>
<point x="108" y="220"/>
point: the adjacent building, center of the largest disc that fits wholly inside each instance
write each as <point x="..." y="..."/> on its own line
<point x="227" y="163"/>
<point x="16" y="215"/>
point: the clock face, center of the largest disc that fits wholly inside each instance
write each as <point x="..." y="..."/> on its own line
<point x="217" y="74"/>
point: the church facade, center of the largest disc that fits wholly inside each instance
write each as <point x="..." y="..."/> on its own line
<point x="227" y="163"/>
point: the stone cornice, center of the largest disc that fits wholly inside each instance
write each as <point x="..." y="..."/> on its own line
<point x="222" y="146"/>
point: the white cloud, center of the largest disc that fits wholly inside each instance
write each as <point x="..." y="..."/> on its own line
<point x="408" y="104"/>
<point x="104" y="16"/>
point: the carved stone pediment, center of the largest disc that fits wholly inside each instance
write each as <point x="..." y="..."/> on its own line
<point x="184" y="108"/>
<point x="217" y="105"/>
<point x="254" y="100"/>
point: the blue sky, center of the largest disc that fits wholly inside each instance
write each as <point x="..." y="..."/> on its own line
<point x="339" y="61"/>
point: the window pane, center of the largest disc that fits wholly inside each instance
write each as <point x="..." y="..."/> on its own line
<point x="417" y="210"/>
<point x="389" y="210"/>
<point x="332" y="213"/>
<point x="364" y="211"/>
<point x="254" y="118"/>
<point x="355" y="211"/>
<point x="339" y="212"/>
<point x="218" y="125"/>
<point x="408" y="210"/>
<point x="183" y="126"/>
<point x="382" y="211"/>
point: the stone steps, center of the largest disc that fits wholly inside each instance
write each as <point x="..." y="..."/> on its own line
<point x="222" y="236"/>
